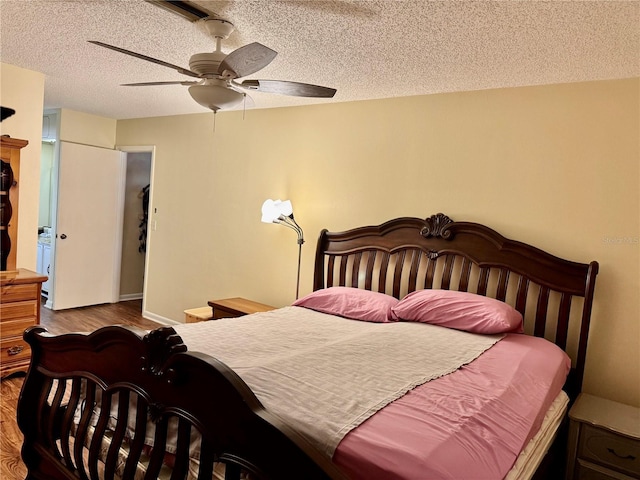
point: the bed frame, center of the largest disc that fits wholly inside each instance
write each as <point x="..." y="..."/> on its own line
<point x="114" y="365"/>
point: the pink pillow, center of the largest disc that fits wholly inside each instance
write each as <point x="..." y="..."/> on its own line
<point x="353" y="303"/>
<point x="459" y="310"/>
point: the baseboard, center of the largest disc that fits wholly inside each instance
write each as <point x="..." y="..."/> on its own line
<point x="130" y="296"/>
<point x="146" y="313"/>
<point x="157" y="318"/>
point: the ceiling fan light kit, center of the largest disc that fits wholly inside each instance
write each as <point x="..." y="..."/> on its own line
<point x="216" y="97"/>
<point x="218" y="88"/>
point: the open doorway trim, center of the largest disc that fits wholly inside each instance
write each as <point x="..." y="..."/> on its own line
<point x="144" y="149"/>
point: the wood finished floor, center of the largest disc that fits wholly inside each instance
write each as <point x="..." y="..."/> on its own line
<point x="85" y="319"/>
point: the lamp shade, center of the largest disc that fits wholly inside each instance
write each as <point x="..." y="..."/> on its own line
<point x="273" y="209"/>
<point x="285" y="207"/>
<point x="277" y="211"/>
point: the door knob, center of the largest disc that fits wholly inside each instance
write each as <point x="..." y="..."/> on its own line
<point x="63" y="236"/>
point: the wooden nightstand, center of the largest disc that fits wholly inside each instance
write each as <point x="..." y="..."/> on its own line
<point x="199" y="314"/>
<point x="236" y="307"/>
<point x="604" y="440"/>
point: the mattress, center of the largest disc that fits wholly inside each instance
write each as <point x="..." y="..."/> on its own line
<point x="532" y="455"/>
<point x="486" y="412"/>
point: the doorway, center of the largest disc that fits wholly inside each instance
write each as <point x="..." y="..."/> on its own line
<point x="138" y="189"/>
<point x="134" y="231"/>
<point x="129" y="256"/>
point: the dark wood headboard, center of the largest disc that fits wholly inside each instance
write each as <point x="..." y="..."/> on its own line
<point x="554" y="295"/>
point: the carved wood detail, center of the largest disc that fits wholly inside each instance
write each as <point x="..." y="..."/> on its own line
<point x="155" y="411"/>
<point x="433" y="254"/>
<point x="161" y="344"/>
<point x="437" y="226"/>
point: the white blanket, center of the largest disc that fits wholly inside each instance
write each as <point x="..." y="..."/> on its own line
<point x="325" y="375"/>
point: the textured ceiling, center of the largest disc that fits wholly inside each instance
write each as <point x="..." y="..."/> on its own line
<point x="365" y="48"/>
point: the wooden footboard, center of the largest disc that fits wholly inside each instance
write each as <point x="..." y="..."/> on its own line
<point x="120" y="401"/>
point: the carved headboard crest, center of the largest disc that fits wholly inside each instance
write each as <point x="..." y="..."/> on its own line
<point x="437" y="226"/>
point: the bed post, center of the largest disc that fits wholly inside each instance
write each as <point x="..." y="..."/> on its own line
<point x="318" y="271"/>
<point x="575" y="385"/>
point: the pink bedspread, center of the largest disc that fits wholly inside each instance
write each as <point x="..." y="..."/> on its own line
<point x="443" y="429"/>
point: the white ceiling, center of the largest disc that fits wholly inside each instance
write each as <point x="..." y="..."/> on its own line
<point x="365" y="48"/>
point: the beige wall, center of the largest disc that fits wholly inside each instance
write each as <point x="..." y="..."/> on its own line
<point x="23" y="90"/>
<point x="555" y="166"/>
<point x="87" y="129"/>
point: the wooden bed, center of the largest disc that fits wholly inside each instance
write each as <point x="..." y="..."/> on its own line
<point x="177" y="389"/>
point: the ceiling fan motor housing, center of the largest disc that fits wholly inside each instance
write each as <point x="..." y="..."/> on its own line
<point x="206" y="64"/>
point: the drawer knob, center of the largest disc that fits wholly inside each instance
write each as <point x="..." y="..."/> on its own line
<point x="15" y="350"/>
<point x="625" y="457"/>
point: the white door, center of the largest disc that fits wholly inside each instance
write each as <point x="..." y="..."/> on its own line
<point x="88" y="227"/>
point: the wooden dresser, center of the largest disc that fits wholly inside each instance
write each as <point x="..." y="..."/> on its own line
<point x="19" y="309"/>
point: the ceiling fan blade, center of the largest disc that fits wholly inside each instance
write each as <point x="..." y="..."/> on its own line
<point x="148" y="84"/>
<point x="247" y="60"/>
<point x="184" y="71"/>
<point x="294" y="89"/>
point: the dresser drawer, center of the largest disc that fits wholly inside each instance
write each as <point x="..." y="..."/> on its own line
<point x="14" y="350"/>
<point x="16" y="293"/>
<point x="605" y="448"/>
<point x="589" y="471"/>
<point x="15" y="310"/>
<point x="15" y="328"/>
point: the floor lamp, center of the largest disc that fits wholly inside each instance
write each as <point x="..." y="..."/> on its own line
<point x="277" y="211"/>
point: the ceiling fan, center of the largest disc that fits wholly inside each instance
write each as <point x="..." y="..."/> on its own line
<point x="217" y="86"/>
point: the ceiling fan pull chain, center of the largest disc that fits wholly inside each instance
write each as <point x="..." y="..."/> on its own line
<point x="244" y="106"/>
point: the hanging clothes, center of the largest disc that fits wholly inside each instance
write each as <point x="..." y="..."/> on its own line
<point x="142" y="238"/>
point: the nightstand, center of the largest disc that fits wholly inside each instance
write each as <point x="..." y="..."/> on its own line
<point x="236" y="307"/>
<point x="604" y="440"/>
<point x="199" y="314"/>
